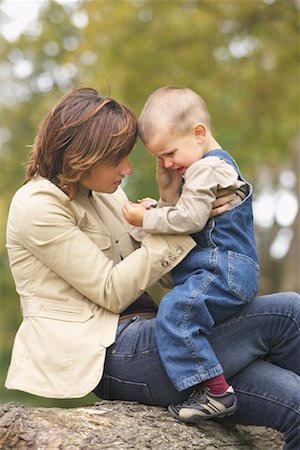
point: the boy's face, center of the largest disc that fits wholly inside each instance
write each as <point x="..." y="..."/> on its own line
<point x="177" y="153"/>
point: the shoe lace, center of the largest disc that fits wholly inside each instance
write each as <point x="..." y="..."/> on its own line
<point x="198" y="395"/>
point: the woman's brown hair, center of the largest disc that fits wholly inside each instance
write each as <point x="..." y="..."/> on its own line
<point x="82" y="130"/>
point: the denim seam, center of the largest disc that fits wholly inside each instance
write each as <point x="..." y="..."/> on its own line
<point x="131" y="355"/>
<point x="108" y="379"/>
<point x="188" y="340"/>
<point x="203" y="287"/>
<point x="271" y="399"/>
<point x="234" y="319"/>
<point x="252" y="287"/>
<point x="189" y="343"/>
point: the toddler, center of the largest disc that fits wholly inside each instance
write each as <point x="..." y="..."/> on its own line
<point x="222" y="272"/>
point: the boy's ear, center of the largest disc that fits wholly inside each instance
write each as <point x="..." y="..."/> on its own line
<point x="200" y="131"/>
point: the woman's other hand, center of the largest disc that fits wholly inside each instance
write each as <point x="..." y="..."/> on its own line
<point x="225" y="201"/>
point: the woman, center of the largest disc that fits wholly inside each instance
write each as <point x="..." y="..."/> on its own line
<point x="88" y="323"/>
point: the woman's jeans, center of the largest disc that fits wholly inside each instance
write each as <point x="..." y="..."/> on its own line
<point x="258" y="347"/>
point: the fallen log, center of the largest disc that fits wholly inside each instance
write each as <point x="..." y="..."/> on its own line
<point x="121" y="426"/>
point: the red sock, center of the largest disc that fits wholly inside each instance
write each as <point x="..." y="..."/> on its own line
<point x="217" y="385"/>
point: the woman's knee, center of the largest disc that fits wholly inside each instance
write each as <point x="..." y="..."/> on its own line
<point x="288" y="305"/>
<point x="290" y="300"/>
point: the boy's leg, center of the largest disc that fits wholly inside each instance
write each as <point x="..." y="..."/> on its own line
<point x="184" y="322"/>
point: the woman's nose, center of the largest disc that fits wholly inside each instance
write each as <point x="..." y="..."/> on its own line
<point x="126" y="167"/>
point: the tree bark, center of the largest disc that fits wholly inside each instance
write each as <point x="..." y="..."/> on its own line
<point x="121" y="426"/>
<point x="290" y="278"/>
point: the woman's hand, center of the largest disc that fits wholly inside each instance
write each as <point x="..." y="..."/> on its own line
<point x="134" y="213"/>
<point x="168" y="181"/>
<point x="225" y="201"/>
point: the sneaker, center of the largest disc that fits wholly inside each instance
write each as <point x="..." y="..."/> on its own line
<point x="202" y="405"/>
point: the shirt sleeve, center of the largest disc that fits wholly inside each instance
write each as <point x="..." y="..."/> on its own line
<point x="192" y="211"/>
<point x="47" y="228"/>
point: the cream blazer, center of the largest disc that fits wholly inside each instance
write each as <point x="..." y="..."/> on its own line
<point x="76" y="268"/>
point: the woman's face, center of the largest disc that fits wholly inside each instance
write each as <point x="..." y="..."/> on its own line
<point x="107" y="178"/>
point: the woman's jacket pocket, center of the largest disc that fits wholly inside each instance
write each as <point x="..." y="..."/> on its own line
<point x="243" y="276"/>
<point x="57" y="310"/>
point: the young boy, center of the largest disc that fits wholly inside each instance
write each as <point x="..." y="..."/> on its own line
<point x="222" y="272"/>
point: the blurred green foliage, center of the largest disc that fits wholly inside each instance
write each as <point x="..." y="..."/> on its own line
<point x="241" y="56"/>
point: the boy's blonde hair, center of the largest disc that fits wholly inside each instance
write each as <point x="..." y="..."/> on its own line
<point x="172" y="109"/>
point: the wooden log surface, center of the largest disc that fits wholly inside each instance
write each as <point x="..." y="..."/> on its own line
<point x="122" y="425"/>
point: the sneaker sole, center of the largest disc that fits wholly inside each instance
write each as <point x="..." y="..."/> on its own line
<point x="197" y="418"/>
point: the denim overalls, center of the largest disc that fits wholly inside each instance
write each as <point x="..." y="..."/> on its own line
<point x="212" y="283"/>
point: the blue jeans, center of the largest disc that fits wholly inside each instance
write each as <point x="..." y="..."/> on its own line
<point x="211" y="286"/>
<point x="258" y="347"/>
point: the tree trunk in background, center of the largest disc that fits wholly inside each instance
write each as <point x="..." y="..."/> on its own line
<point x="291" y="278"/>
<point x="120" y="426"/>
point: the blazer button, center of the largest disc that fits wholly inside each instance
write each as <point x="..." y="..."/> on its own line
<point x="179" y="250"/>
<point x="172" y="257"/>
<point x="164" y="263"/>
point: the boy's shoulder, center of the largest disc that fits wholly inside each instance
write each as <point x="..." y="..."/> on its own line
<point x="211" y="162"/>
<point x="212" y="171"/>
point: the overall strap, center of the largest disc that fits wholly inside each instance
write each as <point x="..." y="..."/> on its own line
<point x="222" y="154"/>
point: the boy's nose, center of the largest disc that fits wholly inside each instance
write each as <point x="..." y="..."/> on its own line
<point x="168" y="164"/>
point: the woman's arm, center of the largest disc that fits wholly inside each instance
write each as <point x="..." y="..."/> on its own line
<point x="48" y="230"/>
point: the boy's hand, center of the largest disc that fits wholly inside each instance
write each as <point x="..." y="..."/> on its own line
<point x="168" y="181"/>
<point x="134" y="213"/>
